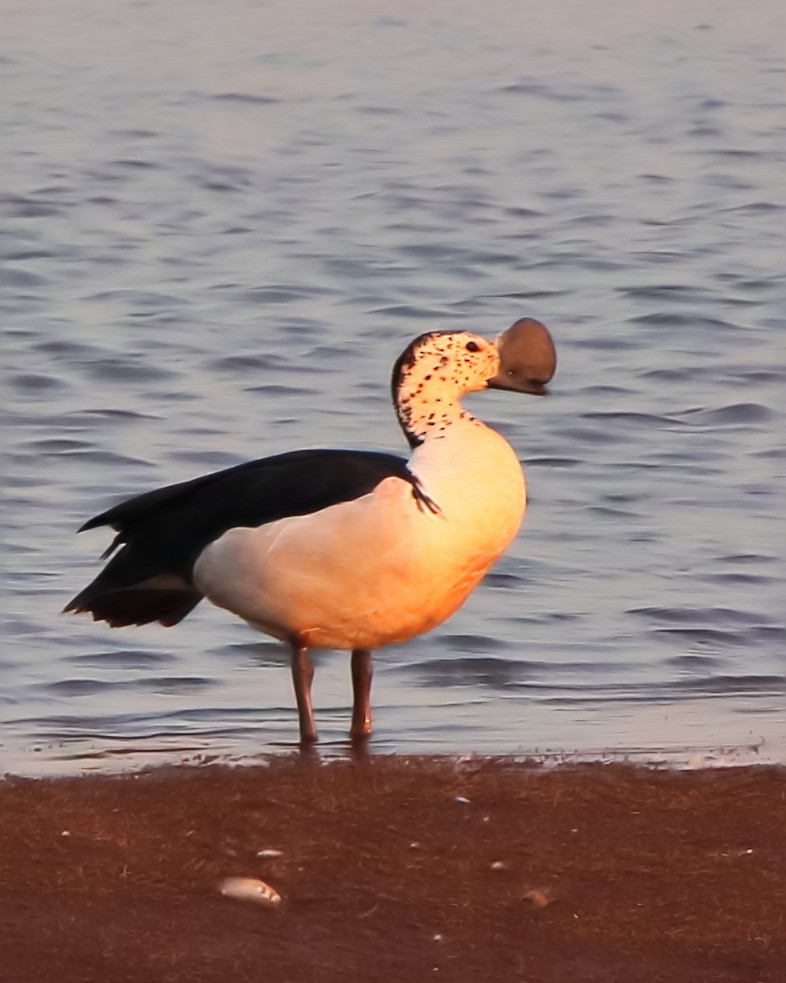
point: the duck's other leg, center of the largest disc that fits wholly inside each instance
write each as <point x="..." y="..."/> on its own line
<point x="302" y="677"/>
<point x="362" y="674"/>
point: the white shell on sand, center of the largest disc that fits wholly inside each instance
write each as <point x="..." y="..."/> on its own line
<point x="249" y="889"/>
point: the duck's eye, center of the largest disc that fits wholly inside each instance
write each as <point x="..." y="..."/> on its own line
<point x="473" y="346"/>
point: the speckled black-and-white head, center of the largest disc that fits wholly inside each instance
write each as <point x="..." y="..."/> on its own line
<point x="437" y="369"/>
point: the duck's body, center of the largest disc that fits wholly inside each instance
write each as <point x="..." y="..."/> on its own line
<point x="381" y="568"/>
<point x="340" y="549"/>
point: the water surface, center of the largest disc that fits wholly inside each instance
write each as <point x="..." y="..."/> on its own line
<point x="220" y="224"/>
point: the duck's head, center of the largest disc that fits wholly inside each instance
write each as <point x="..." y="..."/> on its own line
<point x="438" y="368"/>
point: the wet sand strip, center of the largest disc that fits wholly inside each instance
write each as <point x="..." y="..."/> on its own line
<point x="396" y="869"/>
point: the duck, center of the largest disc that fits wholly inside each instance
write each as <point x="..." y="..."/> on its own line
<point x="349" y="550"/>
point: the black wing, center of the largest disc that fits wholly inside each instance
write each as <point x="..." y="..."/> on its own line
<point x="162" y="532"/>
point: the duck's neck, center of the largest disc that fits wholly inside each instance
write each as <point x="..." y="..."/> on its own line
<point x="423" y="420"/>
<point x="427" y="406"/>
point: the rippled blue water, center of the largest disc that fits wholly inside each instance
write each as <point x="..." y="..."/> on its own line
<point x="219" y="225"/>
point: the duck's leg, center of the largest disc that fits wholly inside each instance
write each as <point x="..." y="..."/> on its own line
<point x="302" y="677"/>
<point x="362" y="673"/>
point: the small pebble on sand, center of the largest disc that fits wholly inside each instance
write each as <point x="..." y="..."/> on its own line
<point x="249" y="889"/>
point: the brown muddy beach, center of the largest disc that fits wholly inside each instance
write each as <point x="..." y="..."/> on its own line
<point x="397" y="869"/>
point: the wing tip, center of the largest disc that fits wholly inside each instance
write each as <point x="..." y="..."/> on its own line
<point x="132" y="607"/>
<point x="90" y="524"/>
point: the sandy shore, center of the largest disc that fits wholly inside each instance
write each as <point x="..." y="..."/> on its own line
<point x="396" y="869"/>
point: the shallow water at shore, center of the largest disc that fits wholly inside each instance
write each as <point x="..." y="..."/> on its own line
<point x="219" y="226"/>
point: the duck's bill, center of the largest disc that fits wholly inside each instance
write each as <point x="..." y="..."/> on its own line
<point x="528" y="358"/>
<point x="531" y="386"/>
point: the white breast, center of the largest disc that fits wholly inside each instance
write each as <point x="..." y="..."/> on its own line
<point x="378" y="569"/>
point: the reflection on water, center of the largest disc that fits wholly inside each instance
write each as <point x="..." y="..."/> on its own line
<point x="219" y="226"/>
